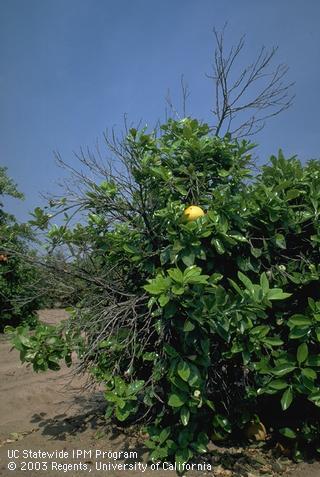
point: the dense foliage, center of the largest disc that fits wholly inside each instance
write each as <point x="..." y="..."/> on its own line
<point x="17" y="301"/>
<point x="200" y="327"/>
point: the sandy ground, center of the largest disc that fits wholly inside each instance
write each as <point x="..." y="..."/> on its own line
<point x="48" y="412"/>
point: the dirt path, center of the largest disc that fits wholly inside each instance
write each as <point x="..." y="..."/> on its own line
<point x="47" y="412"/>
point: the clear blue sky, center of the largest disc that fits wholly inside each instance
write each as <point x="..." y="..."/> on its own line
<point x="70" y="69"/>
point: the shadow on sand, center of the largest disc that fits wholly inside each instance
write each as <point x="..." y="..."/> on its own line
<point x="91" y="418"/>
<point x="60" y="426"/>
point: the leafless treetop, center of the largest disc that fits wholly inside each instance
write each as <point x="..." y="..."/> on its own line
<point x="246" y="97"/>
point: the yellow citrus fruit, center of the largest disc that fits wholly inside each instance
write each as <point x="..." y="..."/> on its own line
<point x="192" y="213"/>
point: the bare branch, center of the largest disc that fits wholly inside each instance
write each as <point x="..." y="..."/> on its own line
<point x="245" y="100"/>
<point x="185" y="95"/>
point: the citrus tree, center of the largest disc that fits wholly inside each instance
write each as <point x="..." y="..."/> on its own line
<point x="201" y="306"/>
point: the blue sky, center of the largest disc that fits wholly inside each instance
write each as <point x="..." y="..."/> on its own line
<point x="70" y="69"/>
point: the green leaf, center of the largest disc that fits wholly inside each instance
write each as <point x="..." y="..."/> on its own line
<point x="179" y="383"/>
<point x="210" y="404"/>
<point x="184" y="415"/>
<point x="170" y="351"/>
<point x="149" y="356"/>
<point x="135" y="387"/>
<point x="188" y="326"/>
<point x="309" y="373"/>
<point x="299" y="320"/>
<point x="315" y="395"/>
<point x="293" y="194"/>
<point x="236" y="287"/>
<point x="202" y="440"/>
<point x="218" y="246"/>
<point x="25" y="340"/>
<point x="223" y="173"/>
<point x="295" y="277"/>
<point x="264" y="283"/>
<point x="193" y="275"/>
<point x="246" y="281"/>
<point x="222" y="331"/>
<point x="121" y="414"/>
<point x="188" y="257"/>
<point x="277" y="294"/>
<point x="286" y="399"/>
<point x="307" y="383"/>
<point x="256" y="252"/>
<point x="302" y="353"/>
<point x="314" y="360"/>
<point x="176" y="400"/>
<point x="183" y="370"/>
<point x="287" y="432"/>
<point x="164" y="434"/>
<point x="278" y="384"/>
<point x="246" y="356"/>
<point x="177" y="290"/>
<point x="161" y="172"/>
<point x="195" y="376"/>
<point x="272" y="341"/>
<point x="182" y="456"/>
<point x="221" y="421"/>
<point x="181" y="189"/>
<point x="128" y="248"/>
<point x="280" y="241"/>
<point x="159" y="453"/>
<point x="298" y="333"/>
<point x="133" y="132"/>
<point x="158" y="285"/>
<point x="237" y="236"/>
<point x="163" y="300"/>
<point x="312" y="304"/>
<point x="176" y="275"/>
<point x="215" y="278"/>
<point x="283" y="369"/>
<point x="261" y="331"/>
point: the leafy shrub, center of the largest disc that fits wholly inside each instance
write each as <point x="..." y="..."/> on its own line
<point x="17" y="301"/>
<point x="46" y="346"/>
<point x="199" y="328"/>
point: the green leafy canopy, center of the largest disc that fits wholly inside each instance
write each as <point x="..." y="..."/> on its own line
<point x="201" y="326"/>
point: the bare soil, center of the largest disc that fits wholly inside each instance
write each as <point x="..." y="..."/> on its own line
<point x="51" y="412"/>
